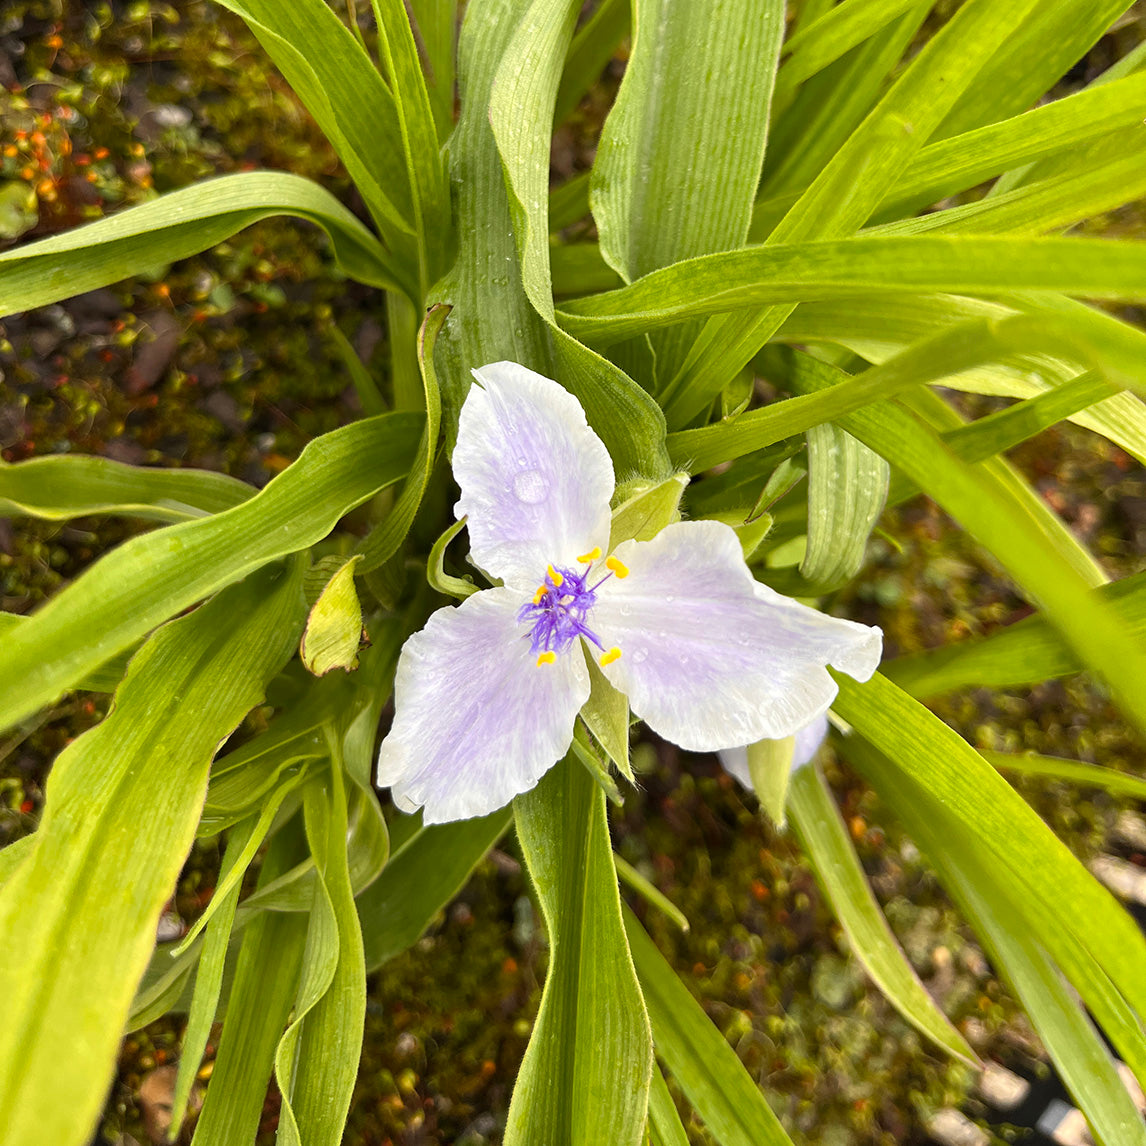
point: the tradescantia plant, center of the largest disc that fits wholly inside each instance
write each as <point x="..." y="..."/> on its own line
<point x="758" y="208"/>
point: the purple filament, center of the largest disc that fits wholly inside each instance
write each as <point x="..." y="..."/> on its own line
<point x="558" y="617"/>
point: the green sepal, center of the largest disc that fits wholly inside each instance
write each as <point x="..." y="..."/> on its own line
<point x="334" y="625"/>
<point x="749" y="531"/>
<point x="643" y="508"/>
<point x="584" y="753"/>
<point x="770" y="766"/>
<point x="606" y="715"/>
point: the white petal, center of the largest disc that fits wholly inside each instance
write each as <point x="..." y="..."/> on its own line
<point x="709" y="662"/>
<point x="477" y="721"/>
<point x="808" y="741"/>
<point x="535" y="480"/>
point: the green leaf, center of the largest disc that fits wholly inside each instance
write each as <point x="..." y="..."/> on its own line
<point x="437" y="24"/>
<point x="1096" y="179"/>
<point x="419" y="139"/>
<point x="649" y="892"/>
<point x="1044" y="563"/>
<point x="332" y="74"/>
<point x="997" y="432"/>
<point x="824" y="838"/>
<point x="853" y="182"/>
<point x="667" y="187"/>
<point x="263" y="992"/>
<point x="706" y="1067"/>
<point x="847" y="488"/>
<point x="385" y="541"/>
<point x="825" y="40"/>
<point x="369" y="396"/>
<point x="321" y="1060"/>
<point x="878" y="328"/>
<point x="60" y="486"/>
<point x="937" y="759"/>
<point x="665" y="1127"/>
<point x="333" y="629"/>
<point x="922" y="361"/>
<point x="1039" y="51"/>
<point x="12" y="855"/>
<point x="78" y="915"/>
<point x="150" y="578"/>
<point x="436" y="574"/>
<point x="1086" y="775"/>
<point x="177" y="225"/>
<point x="1092" y="268"/>
<point x="593" y="46"/>
<point x="956" y="164"/>
<point x="208" y="978"/>
<point x="586" y="1073"/>
<point x="491" y="319"/>
<point x="521" y="115"/>
<point x="824" y="113"/>
<point x="1015" y="938"/>
<point x="426" y="871"/>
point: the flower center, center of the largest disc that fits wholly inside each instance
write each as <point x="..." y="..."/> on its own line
<point x="559" y="611"/>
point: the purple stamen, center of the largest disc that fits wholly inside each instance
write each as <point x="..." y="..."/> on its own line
<point x="558" y="614"/>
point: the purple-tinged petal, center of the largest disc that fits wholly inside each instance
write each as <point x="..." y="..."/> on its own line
<point x="477" y="720"/>
<point x="808" y="741"/>
<point x="535" y="480"/>
<point x="707" y="660"/>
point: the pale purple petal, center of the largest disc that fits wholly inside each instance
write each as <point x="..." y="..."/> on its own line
<point x="477" y="721"/>
<point x="808" y="741"/>
<point x="707" y="660"/>
<point x="535" y="480"/>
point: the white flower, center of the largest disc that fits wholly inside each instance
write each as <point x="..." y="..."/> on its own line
<point x="487" y="693"/>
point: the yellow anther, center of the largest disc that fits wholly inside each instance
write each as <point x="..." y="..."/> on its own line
<point x="546" y="658"/>
<point x="613" y="654"/>
<point x="617" y="567"/>
<point x="555" y="577"/>
<point x="541" y="591"/>
<point x="592" y="555"/>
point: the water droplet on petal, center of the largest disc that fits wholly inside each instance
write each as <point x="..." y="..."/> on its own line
<point x="531" y="487"/>
<point x="669" y="598"/>
<point x="640" y="655"/>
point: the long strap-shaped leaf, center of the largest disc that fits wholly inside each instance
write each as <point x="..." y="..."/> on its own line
<point x="78" y="916"/>
<point x="262" y="993"/>
<point x="151" y="578"/>
<point x="1025" y="945"/>
<point x="824" y="837"/>
<point x="176" y="226"/>
<point x="942" y="762"/>
<point x="332" y="74"/>
<point x="521" y="115"/>
<point x="317" y="1058"/>
<point x="706" y="1067"/>
<point x="670" y="185"/>
<point x="848" y="189"/>
<point x="56" y="487"/>
<point x="586" y="1073"/>
<point x="1090" y="268"/>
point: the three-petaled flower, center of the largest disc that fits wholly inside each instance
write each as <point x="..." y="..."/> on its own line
<point x="487" y="693"/>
